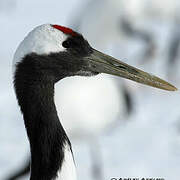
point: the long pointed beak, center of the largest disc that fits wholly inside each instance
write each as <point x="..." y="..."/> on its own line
<point x="103" y="63"/>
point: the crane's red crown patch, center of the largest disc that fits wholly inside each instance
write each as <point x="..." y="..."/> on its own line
<point x="65" y="30"/>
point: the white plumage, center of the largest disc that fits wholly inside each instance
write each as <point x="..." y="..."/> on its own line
<point x="68" y="170"/>
<point x="88" y="106"/>
<point x="44" y="39"/>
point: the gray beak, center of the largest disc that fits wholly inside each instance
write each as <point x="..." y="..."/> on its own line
<point x="103" y="63"/>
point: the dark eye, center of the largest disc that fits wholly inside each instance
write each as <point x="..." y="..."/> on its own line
<point x="67" y="44"/>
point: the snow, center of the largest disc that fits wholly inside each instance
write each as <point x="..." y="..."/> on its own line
<point x="145" y="145"/>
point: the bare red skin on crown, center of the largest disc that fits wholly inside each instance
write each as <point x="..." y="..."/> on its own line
<point x="65" y="30"/>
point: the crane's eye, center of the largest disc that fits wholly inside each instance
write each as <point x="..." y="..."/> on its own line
<point x="67" y="44"/>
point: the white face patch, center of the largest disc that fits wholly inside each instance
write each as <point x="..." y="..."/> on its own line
<point x="43" y="39"/>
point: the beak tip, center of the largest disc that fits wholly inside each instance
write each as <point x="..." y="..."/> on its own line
<point x="175" y="89"/>
<point x="172" y="88"/>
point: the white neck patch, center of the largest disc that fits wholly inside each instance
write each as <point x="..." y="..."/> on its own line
<point x="43" y="39"/>
<point x="68" y="169"/>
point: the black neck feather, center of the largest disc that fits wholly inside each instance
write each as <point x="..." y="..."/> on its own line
<point x="35" y="94"/>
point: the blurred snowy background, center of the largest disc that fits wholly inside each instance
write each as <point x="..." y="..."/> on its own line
<point x="144" y="33"/>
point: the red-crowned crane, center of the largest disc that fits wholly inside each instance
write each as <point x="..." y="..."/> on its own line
<point x="47" y="55"/>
